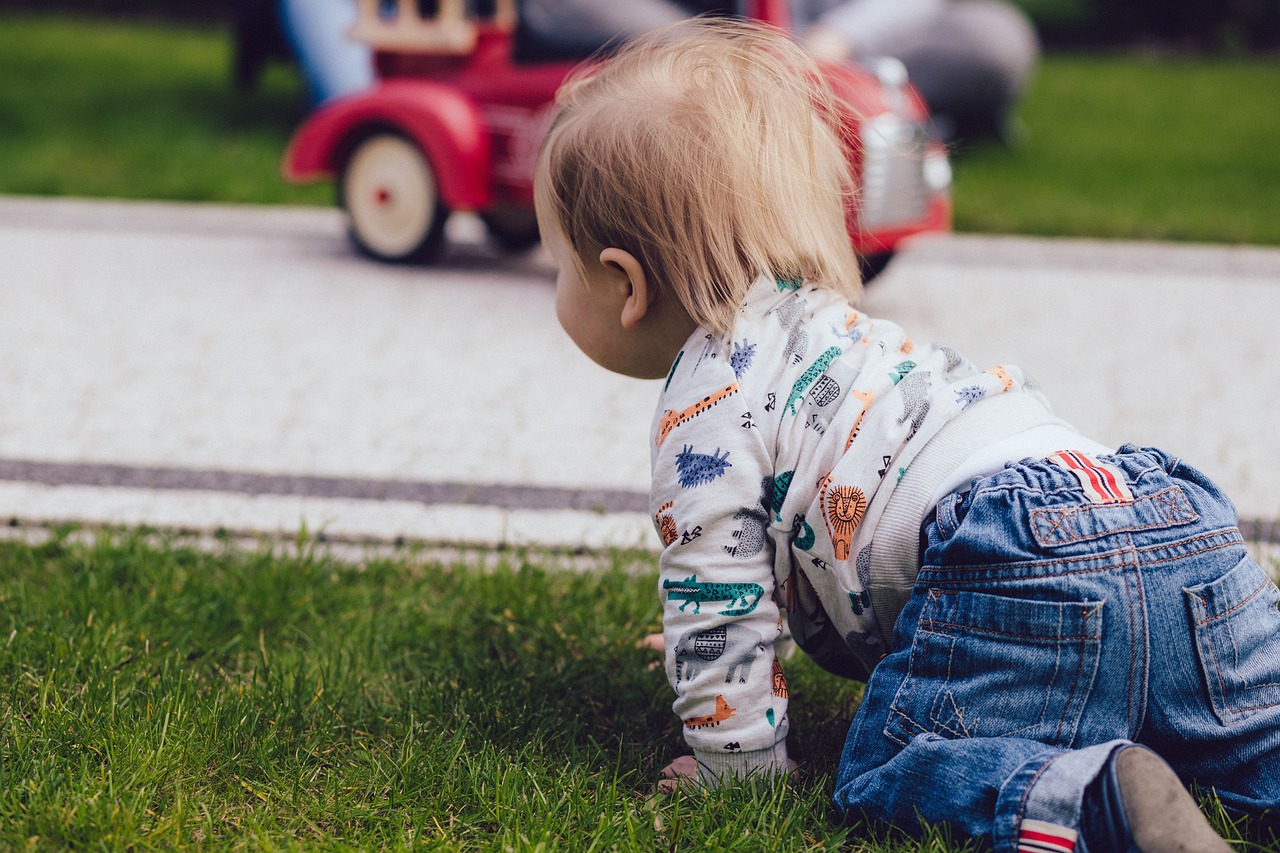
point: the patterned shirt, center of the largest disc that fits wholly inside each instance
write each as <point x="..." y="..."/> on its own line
<point x="775" y="451"/>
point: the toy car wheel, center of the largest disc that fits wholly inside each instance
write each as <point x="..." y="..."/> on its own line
<point x="392" y="199"/>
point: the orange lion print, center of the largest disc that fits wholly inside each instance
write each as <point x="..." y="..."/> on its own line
<point x="842" y="509"/>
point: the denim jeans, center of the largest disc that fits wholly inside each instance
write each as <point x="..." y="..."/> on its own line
<point x="1046" y="629"/>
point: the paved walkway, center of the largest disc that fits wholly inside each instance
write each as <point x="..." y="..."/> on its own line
<point x="215" y="367"/>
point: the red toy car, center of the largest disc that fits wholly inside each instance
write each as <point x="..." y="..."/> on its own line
<point x="455" y="124"/>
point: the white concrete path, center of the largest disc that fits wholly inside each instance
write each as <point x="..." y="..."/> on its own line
<point x="205" y="367"/>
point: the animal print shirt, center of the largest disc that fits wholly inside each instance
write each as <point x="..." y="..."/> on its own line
<point x="775" y="452"/>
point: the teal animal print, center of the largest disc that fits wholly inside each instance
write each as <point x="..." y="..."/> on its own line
<point x="802" y="534"/>
<point x="809" y="377"/>
<point x="672" y="371"/>
<point x="781" y="485"/>
<point x="901" y="370"/>
<point x="743" y="597"/>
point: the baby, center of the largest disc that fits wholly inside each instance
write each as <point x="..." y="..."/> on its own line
<point x="1026" y="605"/>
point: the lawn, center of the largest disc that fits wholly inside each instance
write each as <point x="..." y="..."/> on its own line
<point x="157" y="696"/>
<point x="1124" y="146"/>
<point x="140" y="110"/>
<point x="1137" y="147"/>
<point x="163" y="696"/>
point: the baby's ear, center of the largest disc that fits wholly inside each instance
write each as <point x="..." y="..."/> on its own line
<point x="639" y="295"/>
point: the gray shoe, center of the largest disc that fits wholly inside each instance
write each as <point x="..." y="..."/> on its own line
<point x="1138" y="803"/>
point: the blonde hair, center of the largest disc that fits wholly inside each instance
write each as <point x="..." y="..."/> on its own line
<point x="711" y="151"/>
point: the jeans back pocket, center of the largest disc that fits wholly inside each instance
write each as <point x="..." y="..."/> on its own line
<point x="987" y="665"/>
<point x="1237" y="636"/>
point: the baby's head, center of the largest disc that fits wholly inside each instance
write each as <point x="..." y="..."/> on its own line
<point x="705" y="153"/>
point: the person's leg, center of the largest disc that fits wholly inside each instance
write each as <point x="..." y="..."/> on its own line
<point x="983" y="788"/>
<point x="332" y="62"/>
<point x="971" y="64"/>
<point x="907" y="758"/>
<point x="1214" y="699"/>
<point x="558" y="28"/>
<point x="1022" y="663"/>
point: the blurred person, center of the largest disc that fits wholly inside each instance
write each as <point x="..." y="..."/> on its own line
<point x="332" y="62"/>
<point x="313" y="33"/>
<point x="971" y="60"/>
<point x="558" y="29"/>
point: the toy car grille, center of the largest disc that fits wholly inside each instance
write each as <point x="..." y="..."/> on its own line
<point x="894" y="186"/>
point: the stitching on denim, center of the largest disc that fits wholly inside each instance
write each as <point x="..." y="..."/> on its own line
<point x="1133" y="663"/>
<point x="945" y="694"/>
<point x="1156" y="499"/>
<point x="1217" y="670"/>
<point x="1250" y="597"/>
<point x="1066" y="562"/>
<point x="935" y="712"/>
<point x="994" y="632"/>
<point x="898" y="721"/>
<point x="1084" y="558"/>
<point x="1217" y="667"/>
<point x="1038" y="515"/>
<point x="966" y="582"/>
<point x="1232" y="535"/>
<point x="932" y="711"/>
<point x="1086" y="615"/>
<point x="1174" y="509"/>
<point x="1146" y="647"/>
<point x="1057" y="664"/>
<point x="894" y="706"/>
<point x="1022" y="803"/>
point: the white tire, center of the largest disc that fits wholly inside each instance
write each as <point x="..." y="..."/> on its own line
<point x="392" y="199"/>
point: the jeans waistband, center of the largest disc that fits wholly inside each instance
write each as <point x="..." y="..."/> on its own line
<point x="895" y="553"/>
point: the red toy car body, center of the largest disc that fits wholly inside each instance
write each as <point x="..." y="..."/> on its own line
<point x="455" y="124"/>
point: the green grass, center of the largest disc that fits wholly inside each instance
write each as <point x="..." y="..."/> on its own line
<point x="137" y="110"/>
<point x="1117" y="145"/>
<point x="1138" y="147"/>
<point x="159" y="696"/>
<point x="166" y="697"/>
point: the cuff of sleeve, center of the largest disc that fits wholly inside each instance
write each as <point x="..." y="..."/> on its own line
<point x="715" y="768"/>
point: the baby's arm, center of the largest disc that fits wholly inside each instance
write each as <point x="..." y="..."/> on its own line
<point x="712" y="490"/>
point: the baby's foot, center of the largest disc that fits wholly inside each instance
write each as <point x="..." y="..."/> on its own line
<point x="1138" y="803"/>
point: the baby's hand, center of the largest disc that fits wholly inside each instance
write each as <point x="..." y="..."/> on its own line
<point x="681" y="773"/>
<point x="653" y="641"/>
<point x="657" y="643"/>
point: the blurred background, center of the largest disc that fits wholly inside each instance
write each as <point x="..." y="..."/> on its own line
<point x="1145" y="119"/>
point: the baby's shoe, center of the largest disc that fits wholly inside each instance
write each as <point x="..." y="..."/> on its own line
<point x="1138" y="803"/>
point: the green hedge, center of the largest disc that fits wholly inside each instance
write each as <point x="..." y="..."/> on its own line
<point x="1201" y="25"/>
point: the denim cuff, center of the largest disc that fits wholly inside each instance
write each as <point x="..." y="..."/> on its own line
<point x="1048" y="788"/>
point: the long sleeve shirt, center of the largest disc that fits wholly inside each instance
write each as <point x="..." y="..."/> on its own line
<point x="777" y="451"/>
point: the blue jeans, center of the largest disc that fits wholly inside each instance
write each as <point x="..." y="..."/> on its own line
<point x="1046" y="629"/>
